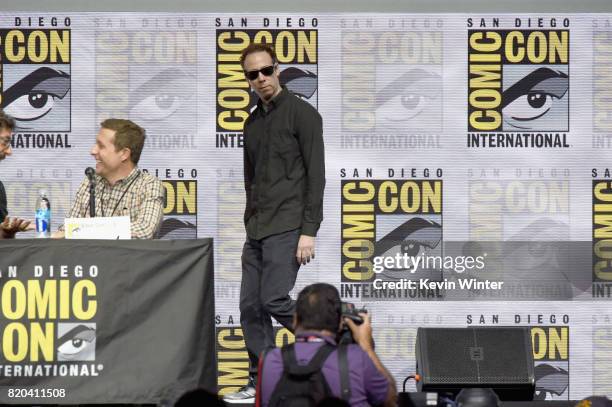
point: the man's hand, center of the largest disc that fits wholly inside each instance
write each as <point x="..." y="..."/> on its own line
<point x="362" y="334"/>
<point x="59" y="234"/>
<point x="305" y="249"/>
<point x="11" y="226"/>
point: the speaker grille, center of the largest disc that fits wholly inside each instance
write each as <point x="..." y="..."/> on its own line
<point x="507" y="354"/>
<point x="454" y="358"/>
<point x="450" y="348"/>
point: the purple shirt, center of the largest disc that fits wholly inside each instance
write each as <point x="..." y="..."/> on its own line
<point x="368" y="385"/>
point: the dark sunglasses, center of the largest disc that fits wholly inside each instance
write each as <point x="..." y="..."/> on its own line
<point x="266" y="71"/>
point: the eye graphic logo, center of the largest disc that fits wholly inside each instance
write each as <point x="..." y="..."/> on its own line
<point x="36" y="79"/>
<point x="533" y="247"/>
<point x="166" y="98"/>
<point x="536" y="99"/>
<point x="418" y="236"/>
<point x="177" y="229"/>
<point x="551" y="381"/>
<point x="409" y="100"/>
<point x="39" y="99"/>
<point x="76" y="342"/>
<point x="302" y="83"/>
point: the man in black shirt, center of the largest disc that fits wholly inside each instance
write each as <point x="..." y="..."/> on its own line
<point x="8" y="226"/>
<point x="284" y="179"/>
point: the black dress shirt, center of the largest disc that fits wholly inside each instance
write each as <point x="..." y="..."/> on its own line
<point x="284" y="167"/>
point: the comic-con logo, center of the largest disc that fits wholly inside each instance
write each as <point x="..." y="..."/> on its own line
<point x="23" y="191"/>
<point x="518" y="88"/>
<point x="181" y="203"/>
<point x="230" y="230"/>
<point x="233" y="358"/>
<point x="35" y="82"/>
<point x="602" y="355"/>
<point x="518" y="209"/>
<point x="148" y="76"/>
<point x="602" y="234"/>
<point x="181" y="210"/>
<point x="297" y="53"/>
<point x="45" y="322"/>
<point x="391" y="85"/>
<point x="551" y="357"/>
<point x="385" y="219"/>
<point x="532" y="212"/>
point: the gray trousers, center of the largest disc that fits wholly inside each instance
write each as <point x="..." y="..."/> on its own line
<point x="269" y="271"/>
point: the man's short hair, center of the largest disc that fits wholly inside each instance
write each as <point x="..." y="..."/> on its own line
<point x="6" y="121"/>
<point x="318" y="307"/>
<point x="127" y="135"/>
<point x="257" y="47"/>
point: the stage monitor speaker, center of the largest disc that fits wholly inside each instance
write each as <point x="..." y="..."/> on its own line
<point x="450" y="359"/>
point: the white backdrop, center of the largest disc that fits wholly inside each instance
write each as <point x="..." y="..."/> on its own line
<point x="396" y="98"/>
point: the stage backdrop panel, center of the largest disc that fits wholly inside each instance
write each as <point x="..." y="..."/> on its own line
<point x="438" y="128"/>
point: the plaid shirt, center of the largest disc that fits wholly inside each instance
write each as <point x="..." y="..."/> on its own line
<point x="139" y="195"/>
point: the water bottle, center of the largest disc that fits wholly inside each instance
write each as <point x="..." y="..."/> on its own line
<point x="43" y="215"/>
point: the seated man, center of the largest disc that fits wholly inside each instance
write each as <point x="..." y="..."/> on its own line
<point x="8" y="226"/>
<point x="317" y="321"/>
<point x="121" y="188"/>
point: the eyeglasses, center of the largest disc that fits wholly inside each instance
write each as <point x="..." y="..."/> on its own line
<point x="266" y="71"/>
<point x="5" y="141"/>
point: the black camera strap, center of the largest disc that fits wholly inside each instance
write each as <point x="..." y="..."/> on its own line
<point x="345" y="385"/>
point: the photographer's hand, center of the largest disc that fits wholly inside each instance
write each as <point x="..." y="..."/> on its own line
<point x="362" y="334"/>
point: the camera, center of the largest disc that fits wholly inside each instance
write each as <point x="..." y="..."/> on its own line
<point x="349" y="311"/>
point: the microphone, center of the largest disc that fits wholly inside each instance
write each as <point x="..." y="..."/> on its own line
<point x="91" y="174"/>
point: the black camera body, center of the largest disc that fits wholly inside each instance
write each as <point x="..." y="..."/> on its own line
<point x="349" y="311"/>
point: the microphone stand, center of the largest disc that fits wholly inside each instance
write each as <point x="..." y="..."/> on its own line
<point x="91" y="174"/>
<point x="92" y="198"/>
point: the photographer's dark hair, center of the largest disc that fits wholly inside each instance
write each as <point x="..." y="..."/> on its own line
<point x="318" y="307"/>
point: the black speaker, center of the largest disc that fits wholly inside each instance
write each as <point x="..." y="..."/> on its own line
<point x="450" y="359"/>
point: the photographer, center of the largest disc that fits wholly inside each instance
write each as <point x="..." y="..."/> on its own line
<point x="318" y="319"/>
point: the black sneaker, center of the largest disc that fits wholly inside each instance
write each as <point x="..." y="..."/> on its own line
<point x="246" y="394"/>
